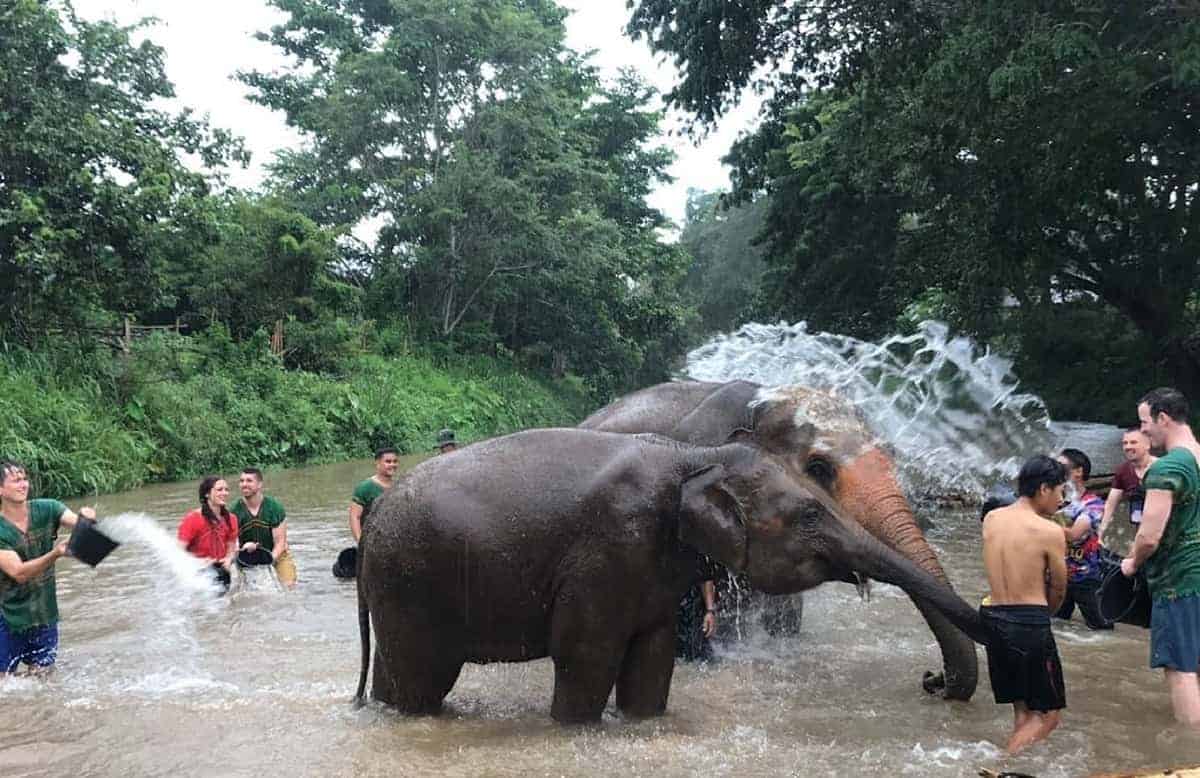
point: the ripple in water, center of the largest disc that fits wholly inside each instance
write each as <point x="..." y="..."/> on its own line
<point x="950" y="409"/>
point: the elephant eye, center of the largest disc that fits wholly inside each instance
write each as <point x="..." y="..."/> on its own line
<point x="821" y="470"/>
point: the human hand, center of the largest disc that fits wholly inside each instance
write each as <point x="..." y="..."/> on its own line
<point x="61" y="550"/>
<point x="710" y="624"/>
<point x="249" y="545"/>
<point x="1128" y="568"/>
<point x="88" y="512"/>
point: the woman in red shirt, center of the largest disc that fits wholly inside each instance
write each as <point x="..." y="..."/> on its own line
<point x="211" y="531"/>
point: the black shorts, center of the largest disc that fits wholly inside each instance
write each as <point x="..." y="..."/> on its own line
<point x="1022" y="658"/>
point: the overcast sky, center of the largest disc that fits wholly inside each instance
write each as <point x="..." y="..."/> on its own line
<point x="207" y="42"/>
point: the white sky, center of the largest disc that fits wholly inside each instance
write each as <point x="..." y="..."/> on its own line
<point x="207" y="42"/>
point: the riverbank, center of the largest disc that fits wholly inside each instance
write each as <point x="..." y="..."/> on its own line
<point x="176" y="407"/>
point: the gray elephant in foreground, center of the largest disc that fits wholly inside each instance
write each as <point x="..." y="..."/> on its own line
<point x="577" y="545"/>
<point x="825" y="437"/>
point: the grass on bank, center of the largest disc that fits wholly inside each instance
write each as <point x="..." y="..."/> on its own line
<point x="180" y="406"/>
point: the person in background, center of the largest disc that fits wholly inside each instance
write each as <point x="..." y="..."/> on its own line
<point x="446" y="442"/>
<point x="1082" y="531"/>
<point x="369" y="490"/>
<point x="29" y="549"/>
<point x="262" y="523"/>
<point x="211" y="531"/>
<point x="1127" y="481"/>
<point x="1024" y="556"/>
<point x="1168" y="545"/>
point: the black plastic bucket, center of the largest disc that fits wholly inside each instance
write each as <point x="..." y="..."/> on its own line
<point x="88" y="544"/>
<point x="222" y="576"/>
<point x="1123" y="599"/>
<point x="346" y="565"/>
<point x="255" y="558"/>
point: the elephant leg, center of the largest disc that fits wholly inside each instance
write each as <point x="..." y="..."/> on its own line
<point x="645" y="678"/>
<point x="415" y="668"/>
<point x="587" y="653"/>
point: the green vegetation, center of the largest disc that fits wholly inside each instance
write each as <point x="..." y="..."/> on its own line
<point x="1031" y="166"/>
<point x="177" y="407"/>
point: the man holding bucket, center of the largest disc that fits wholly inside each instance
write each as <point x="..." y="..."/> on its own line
<point x="1168" y="545"/>
<point x="28" y="551"/>
<point x="262" y="525"/>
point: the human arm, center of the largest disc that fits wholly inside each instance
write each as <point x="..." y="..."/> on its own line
<point x="709" y="591"/>
<point x="1056" y="569"/>
<point x="1078" y="529"/>
<point x="22" y="572"/>
<point x="356" y="520"/>
<point x="69" y="517"/>
<point x="1155" y="515"/>
<point x="1110" y="509"/>
<point x="279" y="535"/>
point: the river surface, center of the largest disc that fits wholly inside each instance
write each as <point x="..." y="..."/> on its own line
<point x="155" y="678"/>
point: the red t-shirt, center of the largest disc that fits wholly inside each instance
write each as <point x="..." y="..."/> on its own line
<point x="204" y="539"/>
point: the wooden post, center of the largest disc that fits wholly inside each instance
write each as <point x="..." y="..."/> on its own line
<point x="277" y="338"/>
<point x="127" y="340"/>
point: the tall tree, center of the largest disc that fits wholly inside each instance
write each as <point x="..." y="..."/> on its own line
<point x="94" y="198"/>
<point x="1043" y="150"/>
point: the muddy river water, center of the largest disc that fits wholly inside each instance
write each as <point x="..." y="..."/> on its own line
<point x="155" y="678"/>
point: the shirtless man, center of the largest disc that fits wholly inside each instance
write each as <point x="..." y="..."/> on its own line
<point x="1024" y="554"/>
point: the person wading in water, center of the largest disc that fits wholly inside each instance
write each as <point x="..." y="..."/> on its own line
<point x="1025" y="558"/>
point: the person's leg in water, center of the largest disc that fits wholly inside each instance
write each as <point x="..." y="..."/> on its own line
<point x="1030" y="726"/>
<point x="1067" y="609"/>
<point x="1185" y="697"/>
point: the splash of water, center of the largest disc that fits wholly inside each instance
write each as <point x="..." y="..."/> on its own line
<point x="950" y="410"/>
<point x="183" y="570"/>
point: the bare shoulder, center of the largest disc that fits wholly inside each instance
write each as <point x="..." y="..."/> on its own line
<point x="1052" y="535"/>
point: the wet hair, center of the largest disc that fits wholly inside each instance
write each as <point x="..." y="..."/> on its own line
<point x="254" y="471"/>
<point x="206" y="487"/>
<point x="1167" y="400"/>
<point x="1136" y="429"/>
<point x="10" y="466"/>
<point x="380" y="452"/>
<point x="1078" y="459"/>
<point x="1038" y="471"/>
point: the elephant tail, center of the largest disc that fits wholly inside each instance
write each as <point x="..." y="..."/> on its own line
<point x="364" y="635"/>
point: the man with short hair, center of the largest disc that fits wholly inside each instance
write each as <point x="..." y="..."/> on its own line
<point x="29" y="548"/>
<point x="446" y="442"/>
<point x="262" y="523"/>
<point x="1168" y="545"/>
<point x="1082" y="531"/>
<point x="1024" y="555"/>
<point x="1127" y="481"/>
<point x="369" y="490"/>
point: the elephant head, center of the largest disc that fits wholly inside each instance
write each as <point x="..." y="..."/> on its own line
<point x="787" y="535"/>
<point x="823" y="436"/>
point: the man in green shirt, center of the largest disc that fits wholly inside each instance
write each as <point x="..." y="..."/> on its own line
<point x="368" y="491"/>
<point x="1168" y="544"/>
<point x="262" y="523"/>
<point x="29" y="547"/>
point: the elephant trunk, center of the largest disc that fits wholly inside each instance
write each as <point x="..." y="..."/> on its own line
<point x="867" y="486"/>
<point x="873" y="559"/>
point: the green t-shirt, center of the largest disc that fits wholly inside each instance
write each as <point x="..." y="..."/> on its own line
<point x="1174" y="568"/>
<point x="258" y="529"/>
<point x="35" y="602"/>
<point x="367" y="492"/>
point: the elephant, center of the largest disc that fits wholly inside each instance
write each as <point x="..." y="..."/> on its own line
<point x="577" y="545"/>
<point x="820" y="434"/>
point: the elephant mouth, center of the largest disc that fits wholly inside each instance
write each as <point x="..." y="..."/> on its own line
<point x="861" y="582"/>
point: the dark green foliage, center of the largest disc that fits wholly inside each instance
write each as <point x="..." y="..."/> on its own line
<point x="94" y="200"/>
<point x="1045" y="152"/>
<point x="727" y="266"/>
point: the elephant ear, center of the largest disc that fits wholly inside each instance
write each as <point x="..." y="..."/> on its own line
<point x="711" y="519"/>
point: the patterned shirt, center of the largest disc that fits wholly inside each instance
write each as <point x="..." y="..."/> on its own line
<point x="1083" y="555"/>
<point x="259" y="528"/>
<point x="35" y="602"/>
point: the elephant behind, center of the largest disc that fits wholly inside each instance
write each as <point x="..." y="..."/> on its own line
<point x="577" y="545"/>
<point x="821" y="435"/>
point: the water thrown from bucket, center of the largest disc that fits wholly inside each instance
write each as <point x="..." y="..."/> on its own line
<point x="951" y="410"/>
<point x="181" y="571"/>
